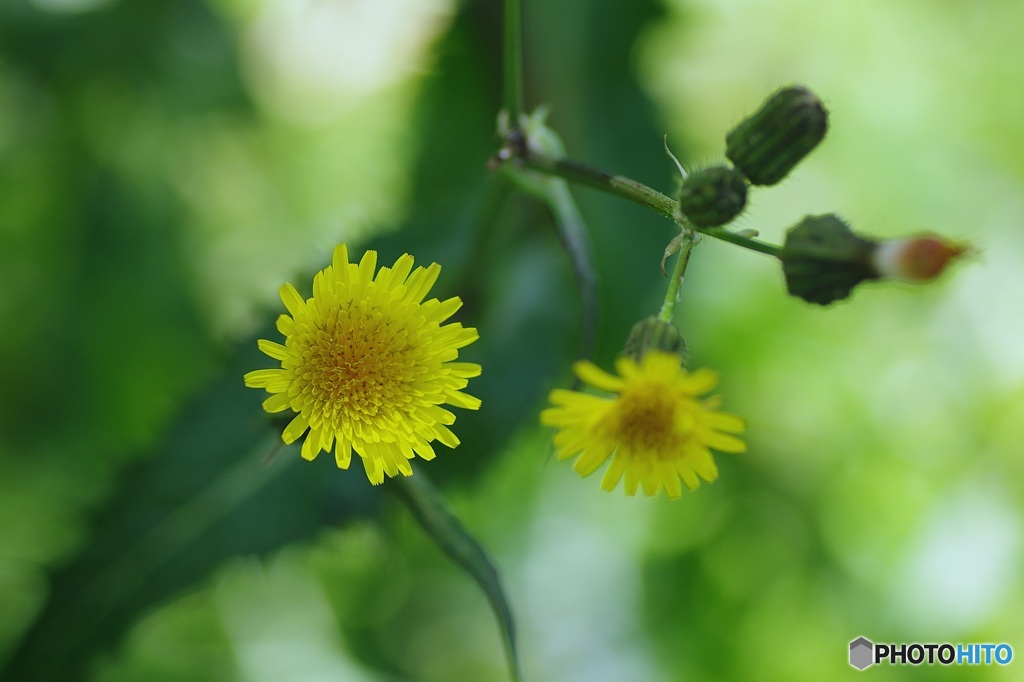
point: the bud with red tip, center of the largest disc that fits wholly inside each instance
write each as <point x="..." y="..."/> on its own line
<point x="823" y="260"/>
<point x="915" y="259"/>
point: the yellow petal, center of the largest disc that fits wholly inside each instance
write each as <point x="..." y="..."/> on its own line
<point x="424" y="450"/>
<point x="723" y="421"/>
<point x="295" y="428"/>
<point x="597" y="377"/>
<point x="445" y="309"/>
<point x="689" y="477"/>
<point x="444" y="434"/>
<point x="292" y="300"/>
<point x="463" y="370"/>
<point x="277" y="403"/>
<point x="311" y="446"/>
<point x="592" y="458"/>
<point x="705" y="467"/>
<point x="343" y="453"/>
<point x="367" y="264"/>
<point x="459" y="399"/>
<point x="373" y="469"/>
<point x="627" y="367"/>
<point x="274" y="380"/>
<point x="632" y="480"/>
<point x="723" y="442"/>
<point x="613" y="475"/>
<point x="274" y="350"/>
<point x="401" y="270"/>
<point x="701" y="381"/>
<point x="672" y="487"/>
<point x="340" y="261"/>
<point x="660" y="364"/>
<point x="420" y="282"/>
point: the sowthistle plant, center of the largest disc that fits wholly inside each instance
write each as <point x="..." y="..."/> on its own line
<point x="369" y="367"/>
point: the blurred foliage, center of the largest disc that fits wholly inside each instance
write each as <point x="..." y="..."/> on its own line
<point x="165" y="166"/>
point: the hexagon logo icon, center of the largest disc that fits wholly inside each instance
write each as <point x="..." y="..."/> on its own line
<point x="861" y="653"/>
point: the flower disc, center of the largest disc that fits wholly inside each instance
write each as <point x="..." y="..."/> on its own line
<point x="367" y="365"/>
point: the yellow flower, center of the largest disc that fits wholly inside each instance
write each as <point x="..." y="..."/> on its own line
<point x="367" y="365"/>
<point x="655" y="429"/>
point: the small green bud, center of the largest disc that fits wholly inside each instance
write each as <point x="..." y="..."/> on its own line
<point x="823" y="260"/>
<point x="653" y="334"/>
<point x="713" y="196"/>
<point x="783" y="131"/>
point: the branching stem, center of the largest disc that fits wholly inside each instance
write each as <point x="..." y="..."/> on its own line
<point x="637" y="192"/>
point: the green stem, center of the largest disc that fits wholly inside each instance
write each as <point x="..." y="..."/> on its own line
<point x="428" y="507"/>
<point x="668" y="308"/>
<point x="513" y="63"/>
<point x="636" y="192"/>
<point x="599" y="179"/>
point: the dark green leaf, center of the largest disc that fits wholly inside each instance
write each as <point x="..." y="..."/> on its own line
<point x="206" y="495"/>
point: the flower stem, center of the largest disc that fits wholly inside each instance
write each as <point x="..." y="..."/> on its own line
<point x="668" y="308"/>
<point x="636" y="192"/>
<point x="513" y="63"/>
<point x="599" y="179"/>
<point x="429" y="508"/>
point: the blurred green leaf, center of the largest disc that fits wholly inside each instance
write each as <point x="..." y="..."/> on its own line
<point x="204" y="496"/>
<point x="572" y="232"/>
<point x="429" y="508"/>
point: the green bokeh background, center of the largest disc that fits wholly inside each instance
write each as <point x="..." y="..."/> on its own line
<point x="164" y="167"/>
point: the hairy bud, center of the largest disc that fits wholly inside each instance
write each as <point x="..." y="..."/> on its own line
<point x="787" y="127"/>
<point x="823" y="260"/>
<point x="713" y="196"/>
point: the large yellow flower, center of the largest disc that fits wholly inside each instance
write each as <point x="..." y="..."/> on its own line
<point x="367" y="365"/>
<point x="655" y="429"/>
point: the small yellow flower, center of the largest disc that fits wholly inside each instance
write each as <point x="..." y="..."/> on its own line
<point x="367" y="365"/>
<point x="655" y="429"/>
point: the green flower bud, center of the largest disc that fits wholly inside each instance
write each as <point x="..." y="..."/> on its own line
<point x="653" y="334"/>
<point x="784" y="130"/>
<point x="823" y="260"/>
<point x="713" y="196"/>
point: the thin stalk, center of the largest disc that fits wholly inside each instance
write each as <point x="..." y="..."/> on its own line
<point x="618" y="185"/>
<point x="428" y="507"/>
<point x="513" y="62"/>
<point x="668" y="308"/>
<point x="636" y="192"/>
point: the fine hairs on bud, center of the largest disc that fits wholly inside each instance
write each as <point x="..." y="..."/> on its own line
<point x="713" y="196"/>
<point x="823" y="260"/>
<point x="788" y="126"/>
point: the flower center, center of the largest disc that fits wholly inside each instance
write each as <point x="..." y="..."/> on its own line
<point x="355" y="362"/>
<point x="644" y="422"/>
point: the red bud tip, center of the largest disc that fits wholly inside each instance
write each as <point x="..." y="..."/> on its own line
<point x="915" y="259"/>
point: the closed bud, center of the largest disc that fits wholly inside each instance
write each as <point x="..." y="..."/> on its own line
<point x="783" y="131"/>
<point x="915" y="259"/>
<point x="653" y="334"/>
<point x="713" y="196"/>
<point x="823" y="260"/>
